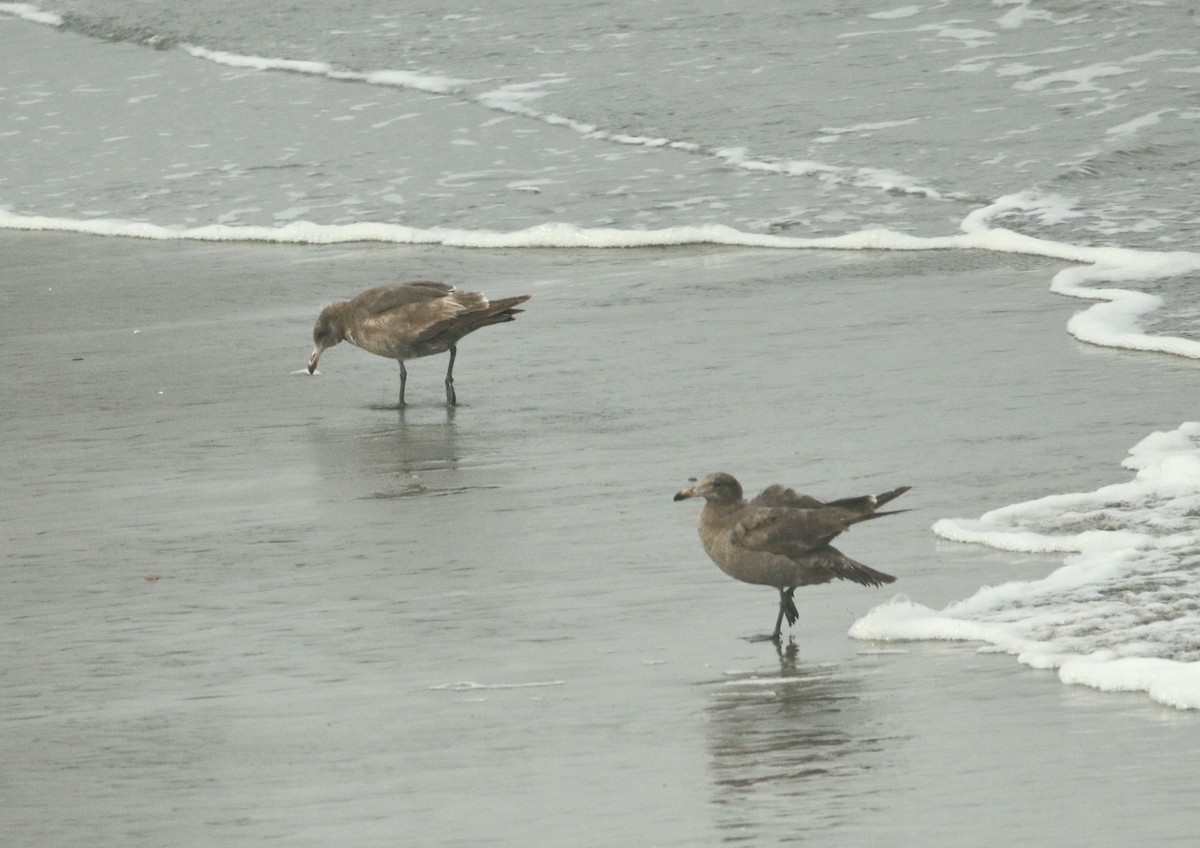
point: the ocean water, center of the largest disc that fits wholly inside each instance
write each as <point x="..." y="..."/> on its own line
<point x="1064" y="131"/>
<point x="236" y="615"/>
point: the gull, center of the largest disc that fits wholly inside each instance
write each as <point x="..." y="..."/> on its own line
<point x="405" y="321"/>
<point x="782" y="538"/>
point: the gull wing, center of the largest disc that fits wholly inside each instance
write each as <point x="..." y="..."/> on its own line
<point x="383" y="299"/>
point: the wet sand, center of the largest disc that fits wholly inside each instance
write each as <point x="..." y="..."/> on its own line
<point x="242" y="605"/>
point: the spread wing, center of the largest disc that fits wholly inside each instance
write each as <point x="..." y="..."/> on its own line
<point x="778" y="495"/>
<point x="790" y="532"/>
<point x="382" y="299"/>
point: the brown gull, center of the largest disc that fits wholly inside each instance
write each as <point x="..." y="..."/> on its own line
<point x="782" y="538"/>
<point x="409" y="320"/>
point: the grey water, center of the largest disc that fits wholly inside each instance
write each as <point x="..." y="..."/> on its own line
<point x="242" y="606"/>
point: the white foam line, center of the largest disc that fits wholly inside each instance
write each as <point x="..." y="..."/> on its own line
<point x="470" y="685"/>
<point x="563" y="235"/>
<point x="997" y="240"/>
<point x="31" y="13"/>
<point x="1112" y="323"/>
<point x="398" y="79"/>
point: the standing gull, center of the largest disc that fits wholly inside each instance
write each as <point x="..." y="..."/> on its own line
<point x="409" y="320"/>
<point x="782" y="538"/>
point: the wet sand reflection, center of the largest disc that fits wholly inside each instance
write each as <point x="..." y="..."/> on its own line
<point x="799" y="745"/>
<point x="392" y="459"/>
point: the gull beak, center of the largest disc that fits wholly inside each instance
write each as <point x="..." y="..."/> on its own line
<point x="690" y="492"/>
<point x="312" y="360"/>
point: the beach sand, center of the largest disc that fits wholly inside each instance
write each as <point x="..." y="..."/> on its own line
<point x="241" y="604"/>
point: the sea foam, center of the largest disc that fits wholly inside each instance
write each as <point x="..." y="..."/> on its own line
<point x="31" y="13"/>
<point x="1111" y="323"/>
<point x="401" y="79"/>
<point x="1120" y="614"/>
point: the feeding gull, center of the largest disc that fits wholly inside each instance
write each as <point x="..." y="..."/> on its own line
<point x="409" y="320"/>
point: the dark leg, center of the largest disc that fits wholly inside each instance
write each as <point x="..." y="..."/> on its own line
<point x="787" y="608"/>
<point x="450" y="396"/>
<point x="403" y="380"/>
<point x="789" y="605"/>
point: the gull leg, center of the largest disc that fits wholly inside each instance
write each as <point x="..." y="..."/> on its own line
<point x="451" y="398"/>
<point x="778" y="623"/>
<point x="787" y="608"/>
<point x="788" y="605"/>
<point x="403" y="380"/>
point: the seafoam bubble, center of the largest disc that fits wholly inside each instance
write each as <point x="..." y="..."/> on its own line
<point x="31" y="13"/>
<point x="1122" y="613"/>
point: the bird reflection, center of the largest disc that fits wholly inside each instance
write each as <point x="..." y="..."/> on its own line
<point x="803" y="730"/>
<point x="787" y="656"/>
<point x="410" y="448"/>
<point x="403" y="458"/>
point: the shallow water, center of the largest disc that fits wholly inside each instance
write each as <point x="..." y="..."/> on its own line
<point x="246" y="605"/>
